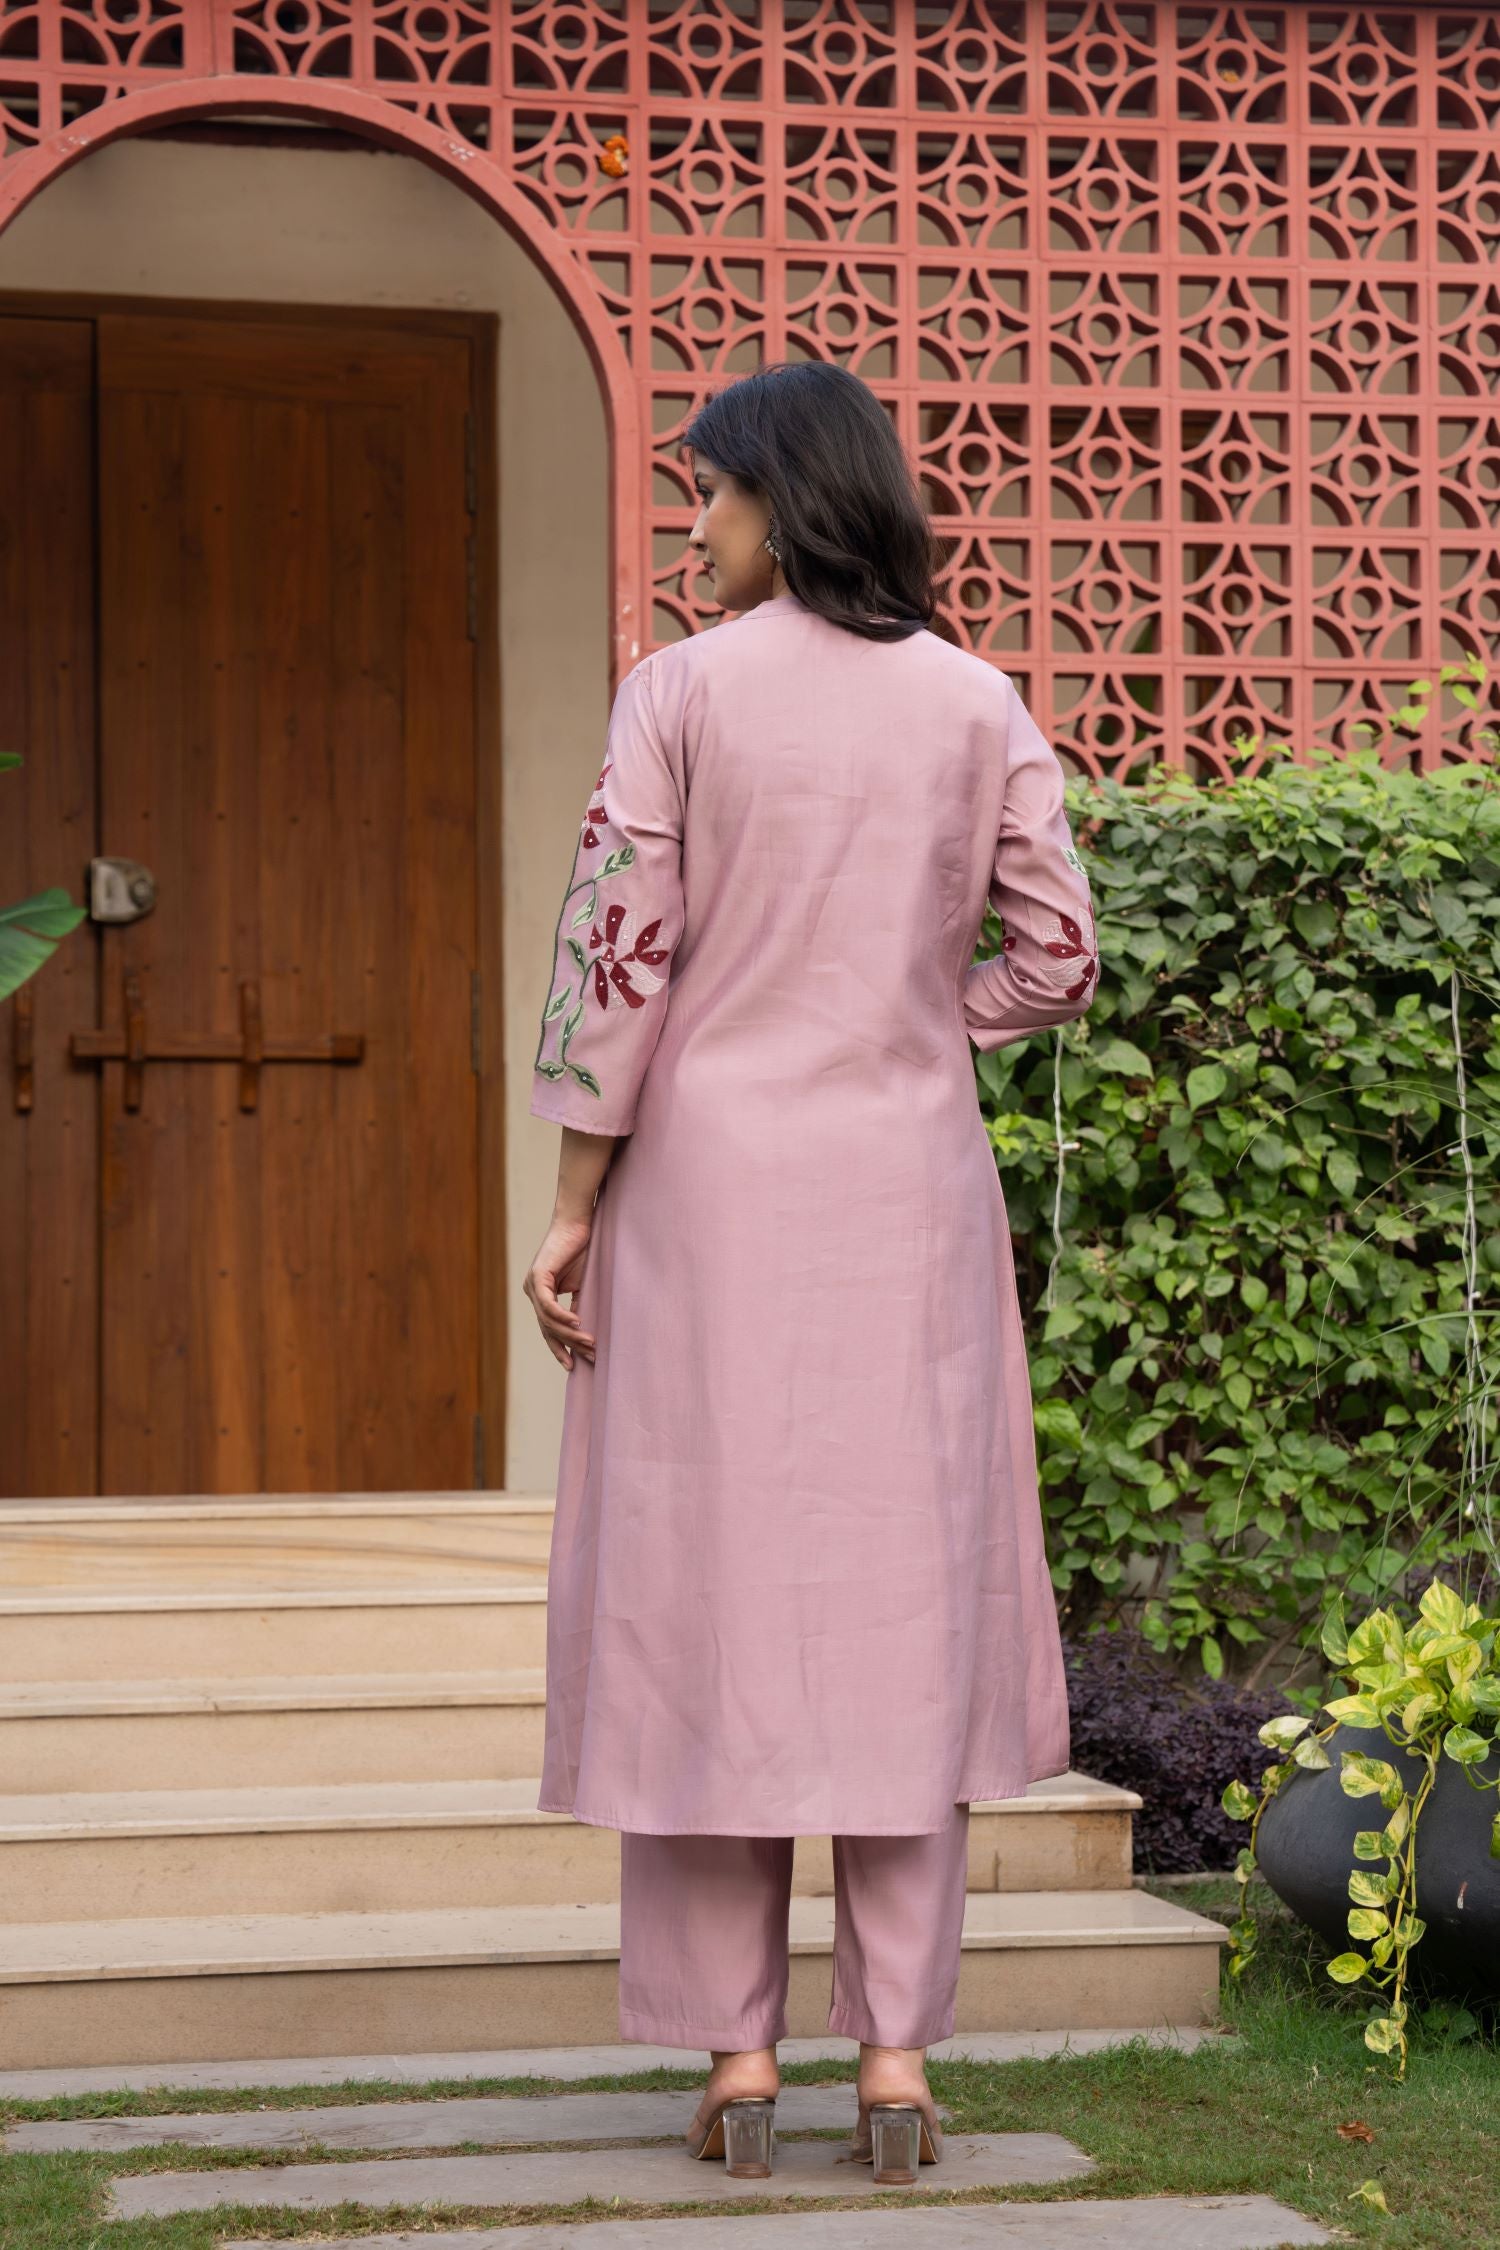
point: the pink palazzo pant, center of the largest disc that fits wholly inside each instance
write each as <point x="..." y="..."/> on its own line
<point x="703" y="1937"/>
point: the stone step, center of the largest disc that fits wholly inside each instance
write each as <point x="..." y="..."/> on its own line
<point x="191" y="1734"/>
<point x="76" y="1993"/>
<point x="642" y="2175"/>
<point x="401" y="1846"/>
<point x="1071" y="1833"/>
<point x="365" y="1848"/>
<point x="1157" y="2222"/>
<point x="486" y="2121"/>
<point x="64" y="1635"/>
<point x="294" y="1543"/>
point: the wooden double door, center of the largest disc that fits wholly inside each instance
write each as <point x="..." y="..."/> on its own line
<point x="242" y="1240"/>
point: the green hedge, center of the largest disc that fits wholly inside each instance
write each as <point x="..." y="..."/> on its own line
<point x="1254" y="1373"/>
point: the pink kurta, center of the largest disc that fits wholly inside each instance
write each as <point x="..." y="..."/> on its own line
<point x="797" y="1581"/>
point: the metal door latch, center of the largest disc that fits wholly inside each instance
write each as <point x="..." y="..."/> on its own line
<point x="120" y="890"/>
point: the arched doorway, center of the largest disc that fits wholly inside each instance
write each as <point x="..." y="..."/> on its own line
<point x="221" y="1288"/>
<point x="383" y="124"/>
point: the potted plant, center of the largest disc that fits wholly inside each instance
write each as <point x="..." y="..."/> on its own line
<point x="1415" y="1740"/>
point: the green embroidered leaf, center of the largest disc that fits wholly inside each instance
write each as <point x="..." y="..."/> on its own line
<point x="578" y="953"/>
<point x="585" y="912"/>
<point x="568" y="1029"/>
<point x="557" y="1003"/>
<point x="550" y="1070"/>
<point x="586" y="1078"/>
<point x="624" y="857"/>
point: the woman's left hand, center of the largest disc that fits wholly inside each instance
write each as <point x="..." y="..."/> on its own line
<point x="556" y="1271"/>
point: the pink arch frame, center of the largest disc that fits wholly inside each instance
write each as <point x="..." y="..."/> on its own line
<point x="381" y="122"/>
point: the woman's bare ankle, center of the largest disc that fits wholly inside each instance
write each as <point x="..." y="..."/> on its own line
<point x="742" y="2071"/>
<point x="891" y="2074"/>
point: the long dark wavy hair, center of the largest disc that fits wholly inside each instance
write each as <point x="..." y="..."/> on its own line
<point x="856" y="543"/>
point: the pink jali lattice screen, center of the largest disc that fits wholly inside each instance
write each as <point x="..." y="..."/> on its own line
<point x="1189" y="315"/>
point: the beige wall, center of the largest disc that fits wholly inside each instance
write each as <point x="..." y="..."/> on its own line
<point x="357" y="227"/>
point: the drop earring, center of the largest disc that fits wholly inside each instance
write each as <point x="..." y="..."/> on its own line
<point x="769" y="542"/>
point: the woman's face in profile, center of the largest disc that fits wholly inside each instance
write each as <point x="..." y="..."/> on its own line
<point x="729" y="536"/>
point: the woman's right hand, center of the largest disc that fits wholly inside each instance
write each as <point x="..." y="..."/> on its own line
<point x="556" y="1271"/>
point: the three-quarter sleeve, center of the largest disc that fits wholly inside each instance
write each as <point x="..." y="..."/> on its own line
<point x="1048" y="971"/>
<point x="620" y="919"/>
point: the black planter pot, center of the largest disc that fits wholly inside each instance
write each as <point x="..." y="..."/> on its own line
<point x="1305" y="1850"/>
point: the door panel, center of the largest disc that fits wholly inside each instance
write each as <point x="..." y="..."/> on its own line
<point x="288" y="1254"/>
<point x="49" y="1177"/>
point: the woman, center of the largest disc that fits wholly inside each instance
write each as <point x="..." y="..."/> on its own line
<point x="797" y="1581"/>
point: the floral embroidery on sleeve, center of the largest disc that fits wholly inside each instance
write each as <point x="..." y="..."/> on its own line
<point x="596" y="817"/>
<point x="619" y="966"/>
<point x="568" y="1003"/>
<point x="1070" y="946"/>
<point x="621" y="918"/>
<point x="624" y="959"/>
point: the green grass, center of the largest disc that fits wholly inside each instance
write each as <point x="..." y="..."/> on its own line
<point x="1254" y="2114"/>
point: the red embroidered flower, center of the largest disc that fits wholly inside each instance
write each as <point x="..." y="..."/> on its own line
<point x="1070" y="947"/>
<point x="625" y="960"/>
<point x="596" y="817"/>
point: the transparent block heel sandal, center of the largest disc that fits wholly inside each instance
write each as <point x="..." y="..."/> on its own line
<point x="902" y="2136"/>
<point x="743" y="2132"/>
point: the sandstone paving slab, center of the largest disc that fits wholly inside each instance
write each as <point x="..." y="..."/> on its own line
<point x="641" y="2175"/>
<point x="551" y="2062"/>
<point x="1179" y="2222"/>
<point x="491" y="2120"/>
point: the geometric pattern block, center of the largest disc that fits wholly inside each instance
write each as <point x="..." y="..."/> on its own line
<point x="1189" y="315"/>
